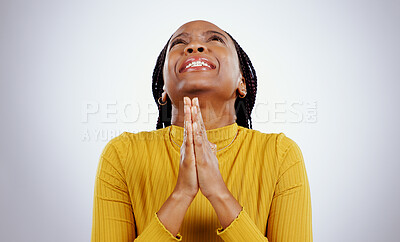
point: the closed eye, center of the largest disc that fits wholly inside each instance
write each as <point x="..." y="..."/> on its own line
<point x="217" y="38"/>
<point x="177" y="41"/>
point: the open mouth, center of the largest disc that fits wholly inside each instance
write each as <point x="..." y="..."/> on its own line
<point x="196" y="64"/>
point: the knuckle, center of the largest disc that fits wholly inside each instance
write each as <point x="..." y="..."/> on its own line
<point x="186" y="164"/>
<point x="202" y="163"/>
<point x="199" y="141"/>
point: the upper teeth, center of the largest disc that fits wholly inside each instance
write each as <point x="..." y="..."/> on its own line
<point x="197" y="63"/>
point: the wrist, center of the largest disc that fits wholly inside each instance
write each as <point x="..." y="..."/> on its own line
<point x="226" y="207"/>
<point x="220" y="197"/>
<point x="183" y="197"/>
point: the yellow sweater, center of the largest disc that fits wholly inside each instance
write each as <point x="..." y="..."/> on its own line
<point x="265" y="172"/>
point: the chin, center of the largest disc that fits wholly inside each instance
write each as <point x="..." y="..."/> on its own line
<point x="195" y="85"/>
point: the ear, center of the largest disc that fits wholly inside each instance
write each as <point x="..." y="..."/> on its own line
<point x="164" y="96"/>
<point x="242" y="86"/>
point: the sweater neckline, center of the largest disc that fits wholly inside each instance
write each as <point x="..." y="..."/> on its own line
<point x="222" y="136"/>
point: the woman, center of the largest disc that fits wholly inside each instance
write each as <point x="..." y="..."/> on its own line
<point x="204" y="174"/>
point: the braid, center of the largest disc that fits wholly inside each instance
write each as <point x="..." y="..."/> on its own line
<point x="164" y="111"/>
<point x="243" y="106"/>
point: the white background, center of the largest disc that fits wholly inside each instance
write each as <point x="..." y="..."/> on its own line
<point x="59" y="57"/>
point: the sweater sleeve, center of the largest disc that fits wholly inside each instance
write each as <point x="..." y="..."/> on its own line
<point x="113" y="215"/>
<point x="290" y="212"/>
<point x="242" y="228"/>
<point x="290" y="217"/>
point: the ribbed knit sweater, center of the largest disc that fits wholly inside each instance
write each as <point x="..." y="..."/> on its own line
<point x="265" y="172"/>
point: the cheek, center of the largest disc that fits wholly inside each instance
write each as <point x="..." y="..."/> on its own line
<point x="230" y="69"/>
<point x="169" y="67"/>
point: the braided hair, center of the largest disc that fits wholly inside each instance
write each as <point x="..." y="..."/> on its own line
<point x="243" y="106"/>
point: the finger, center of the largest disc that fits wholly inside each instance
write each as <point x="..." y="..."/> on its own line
<point x="187" y="110"/>
<point x="188" y="120"/>
<point x="189" y="142"/>
<point x="198" y="143"/>
<point x="187" y="147"/>
<point x="184" y="136"/>
<point x="187" y="113"/>
<point x="197" y="131"/>
<point x="199" y="119"/>
<point x="188" y="130"/>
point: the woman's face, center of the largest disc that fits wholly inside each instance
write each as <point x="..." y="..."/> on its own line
<point x="201" y="61"/>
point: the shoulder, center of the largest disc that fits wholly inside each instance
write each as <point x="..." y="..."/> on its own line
<point x="120" y="150"/>
<point x="285" y="145"/>
<point x="288" y="153"/>
<point x="277" y="143"/>
<point x="145" y="137"/>
<point x="256" y="136"/>
<point x="127" y="141"/>
<point x="117" y="146"/>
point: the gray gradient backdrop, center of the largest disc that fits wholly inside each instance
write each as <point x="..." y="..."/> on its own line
<point x="76" y="73"/>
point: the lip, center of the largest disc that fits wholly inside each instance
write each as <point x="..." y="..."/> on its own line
<point x="196" y="58"/>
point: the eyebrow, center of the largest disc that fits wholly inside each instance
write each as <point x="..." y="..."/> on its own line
<point x="207" y="32"/>
<point x="215" y="32"/>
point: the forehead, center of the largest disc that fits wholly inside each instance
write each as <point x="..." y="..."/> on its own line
<point x="197" y="27"/>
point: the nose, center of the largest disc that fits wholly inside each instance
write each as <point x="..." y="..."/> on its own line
<point x="194" y="47"/>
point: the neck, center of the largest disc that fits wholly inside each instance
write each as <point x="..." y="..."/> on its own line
<point x="215" y="115"/>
